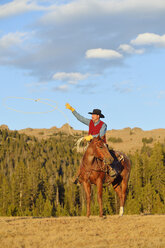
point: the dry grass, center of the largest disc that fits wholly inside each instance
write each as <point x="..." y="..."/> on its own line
<point x="75" y="232"/>
<point x="132" y="138"/>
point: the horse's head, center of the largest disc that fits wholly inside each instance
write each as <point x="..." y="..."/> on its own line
<point x="100" y="150"/>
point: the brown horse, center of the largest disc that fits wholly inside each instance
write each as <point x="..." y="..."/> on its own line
<point x="94" y="170"/>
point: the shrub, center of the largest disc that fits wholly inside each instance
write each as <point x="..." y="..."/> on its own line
<point x="41" y="133"/>
<point x="147" y="141"/>
<point x="115" y="140"/>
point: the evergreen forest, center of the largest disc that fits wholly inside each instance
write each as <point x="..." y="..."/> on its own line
<point x="35" y="179"/>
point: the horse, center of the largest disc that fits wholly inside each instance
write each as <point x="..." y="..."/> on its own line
<point x="94" y="169"/>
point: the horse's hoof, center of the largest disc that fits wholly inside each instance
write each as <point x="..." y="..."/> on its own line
<point x="103" y="217"/>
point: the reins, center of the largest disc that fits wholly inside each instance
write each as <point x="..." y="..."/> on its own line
<point x="100" y="169"/>
<point x="98" y="164"/>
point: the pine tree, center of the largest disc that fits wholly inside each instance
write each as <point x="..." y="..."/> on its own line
<point x="39" y="207"/>
<point x="35" y="179"/>
<point x="47" y="211"/>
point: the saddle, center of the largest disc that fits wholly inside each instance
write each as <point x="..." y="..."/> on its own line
<point x="116" y="155"/>
<point x="115" y="168"/>
<point x="110" y="170"/>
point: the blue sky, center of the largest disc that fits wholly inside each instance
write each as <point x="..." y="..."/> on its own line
<point x="93" y="54"/>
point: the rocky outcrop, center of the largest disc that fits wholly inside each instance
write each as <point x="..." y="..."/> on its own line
<point x="3" y="127"/>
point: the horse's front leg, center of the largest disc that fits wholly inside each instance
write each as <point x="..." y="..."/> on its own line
<point x="99" y="195"/>
<point x="87" y="187"/>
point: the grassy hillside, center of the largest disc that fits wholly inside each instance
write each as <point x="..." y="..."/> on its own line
<point x="35" y="177"/>
<point x="127" y="140"/>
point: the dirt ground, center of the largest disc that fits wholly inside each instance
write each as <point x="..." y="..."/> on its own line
<point x="142" y="231"/>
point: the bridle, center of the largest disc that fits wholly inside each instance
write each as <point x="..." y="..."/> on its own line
<point x="101" y="147"/>
<point x="101" y="160"/>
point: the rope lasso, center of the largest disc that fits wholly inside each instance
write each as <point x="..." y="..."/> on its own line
<point x="51" y="103"/>
<point x="41" y="100"/>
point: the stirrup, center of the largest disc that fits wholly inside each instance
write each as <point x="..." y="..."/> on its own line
<point x="113" y="172"/>
<point x="121" y="157"/>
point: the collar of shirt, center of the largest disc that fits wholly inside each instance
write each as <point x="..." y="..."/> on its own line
<point x="96" y="123"/>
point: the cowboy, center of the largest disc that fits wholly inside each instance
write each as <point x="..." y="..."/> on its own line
<point x="96" y="127"/>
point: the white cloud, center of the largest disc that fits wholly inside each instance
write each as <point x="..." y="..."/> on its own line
<point x="123" y="87"/>
<point x="12" y="47"/>
<point x="37" y="84"/>
<point x="149" y="39"/>
<point x="72" y="77"/>
<point x="36" y="87"/>
<point x="161" y="94"/>
<point x="68" y="29"/>
<point x="63" y="88"/>
<point x="19" y="6"/>
<point x="12" y="39"/>
<point x="80" y="8"/>
<point x="103" y="54"/>
<point x="129" y="49"/>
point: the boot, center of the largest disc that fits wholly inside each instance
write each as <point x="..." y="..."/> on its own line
<point x="118" y="167"/>
<point x="113" y="172"/>
<point x="115" y="168"/>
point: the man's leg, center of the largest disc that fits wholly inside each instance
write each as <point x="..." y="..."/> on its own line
<point x="115" y="166"/>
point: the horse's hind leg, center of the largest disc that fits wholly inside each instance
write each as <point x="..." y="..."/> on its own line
<point x="124" y="186"/>
<point x="124" y="190"/>
<point x="99" y="196"/>
<point x="87" y="188"/>
<point x="121" y="198"/>
<point x="121" y="192"/>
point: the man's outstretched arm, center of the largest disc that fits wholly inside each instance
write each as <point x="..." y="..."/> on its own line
<point x="79" y="117"/>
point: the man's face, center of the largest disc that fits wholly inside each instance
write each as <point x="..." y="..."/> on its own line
<point x="95" y="118"/>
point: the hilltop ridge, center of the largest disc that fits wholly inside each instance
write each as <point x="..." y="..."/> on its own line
<point x="126" y="139"/>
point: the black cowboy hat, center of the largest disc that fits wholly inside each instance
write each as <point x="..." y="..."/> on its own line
<point x="97" y="112"/>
